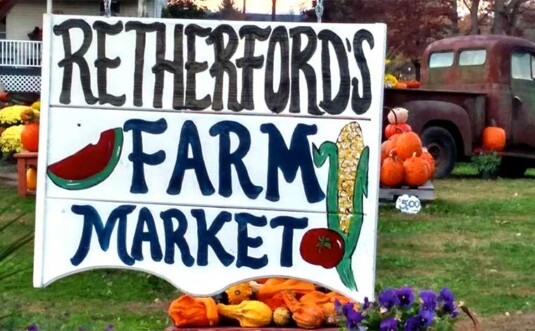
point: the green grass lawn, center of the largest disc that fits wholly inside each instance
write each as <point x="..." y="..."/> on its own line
<point x="477" y="238"/>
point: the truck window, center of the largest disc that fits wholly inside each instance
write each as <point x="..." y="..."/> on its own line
<point x="472" y="57"/>
<point x="441" y="60"/>
<point x="523" y="66"/>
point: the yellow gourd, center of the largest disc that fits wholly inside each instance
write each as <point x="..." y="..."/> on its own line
<point x="282" y="316"/>
<point x="249" y="313"/>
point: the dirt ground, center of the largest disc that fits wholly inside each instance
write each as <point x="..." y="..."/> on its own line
<point x="511" y="322"/>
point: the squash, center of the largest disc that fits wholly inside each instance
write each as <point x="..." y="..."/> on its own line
<point x="398" y="115"/>
<point x="392" y="129"/>
<point x="493" y="138"/>
<point x="282" y="316"/>
<point x="392" y="171"/>
<point x="430" y="161"/>
<point x="407" y="144"/>
<point x="31" y="179"/>
<point x="187" y="311"/>
<point x="306" y="316"/>
<point x="29" y="137"/>
<point x="416" y="171"/>
<point x="239" y="293"/>
<point x="249" y="313"/>
<point x="276" y="285"/>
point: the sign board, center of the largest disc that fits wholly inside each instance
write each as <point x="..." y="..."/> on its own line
<point x="208" y="152"/>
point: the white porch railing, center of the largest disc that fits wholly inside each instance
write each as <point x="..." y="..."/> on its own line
<point x="19" y="53"/>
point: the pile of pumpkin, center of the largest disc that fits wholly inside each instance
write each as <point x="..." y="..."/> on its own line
<point x="404" y="161"/>
<point x="277" y="302"/>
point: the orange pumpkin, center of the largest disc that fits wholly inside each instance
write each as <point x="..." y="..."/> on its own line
<point x="416" y="171"/>
<point x="187" y="311"/>
<point x="29" y="137"/>
<point x="407" y="144"/>
<point x="494" y="138"/>
<point x="391" y="144"/>
<point x="430" y="161"/>
<point x="392" y="129"/>
<point x="392" y="171"/>
<point x="31" y="179"/>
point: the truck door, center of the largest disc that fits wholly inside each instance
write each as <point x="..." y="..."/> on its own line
<point x="523" y="94"/>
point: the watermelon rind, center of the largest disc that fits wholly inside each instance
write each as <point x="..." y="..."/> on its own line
<point x="82" y="184"/>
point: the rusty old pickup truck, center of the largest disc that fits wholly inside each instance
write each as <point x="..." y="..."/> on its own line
<point x="469" y="82"/>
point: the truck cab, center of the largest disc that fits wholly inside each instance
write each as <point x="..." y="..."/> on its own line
<point x="468" y="83"/>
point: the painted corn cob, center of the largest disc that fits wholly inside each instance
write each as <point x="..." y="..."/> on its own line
<point x="350" y="145"/>
<point x="347" y="185"/>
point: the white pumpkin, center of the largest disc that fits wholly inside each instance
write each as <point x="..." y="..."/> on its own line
<point x="398" y="115"/>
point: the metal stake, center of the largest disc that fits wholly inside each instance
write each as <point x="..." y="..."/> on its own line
<point x="319" y="10"/>
<point x="107" y="8"/>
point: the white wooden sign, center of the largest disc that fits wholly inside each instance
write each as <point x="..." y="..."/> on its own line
<point x="189" y="149"/>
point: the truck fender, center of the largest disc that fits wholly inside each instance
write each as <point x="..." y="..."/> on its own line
<point x="423" y="114"/>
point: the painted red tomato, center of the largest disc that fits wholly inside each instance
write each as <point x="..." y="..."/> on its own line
<point x="323" y="247"/>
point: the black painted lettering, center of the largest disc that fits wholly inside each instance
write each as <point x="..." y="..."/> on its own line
<point x="103" y="63"/>
<point x="249" y="61"/>
<point x="300" y="63"/>
<point x="193" y="68"/>
<point x="64" y="30"/>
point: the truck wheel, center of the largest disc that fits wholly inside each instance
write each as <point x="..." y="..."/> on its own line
<point x="441" y="145"/>
<point x="512" y="168"/>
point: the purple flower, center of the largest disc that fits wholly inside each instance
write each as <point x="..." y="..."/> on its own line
<point x="449" y="308"/>
<point x="32" y="327"/>
<point x="429" y="300"/>
<point x="389" y="324"/>
<point x="366" y="303"/>
<point x="405" y="296"/>
<point x="446" y="295"/>
<point x="412" y="324"/>
<point x="337" y="305"/>
<point x="347" y="308"/>
<point x="388" y="298"/>
<point x="426" y="318"/>
<point x="108" y="327"/>
<point x="353" y="318"/>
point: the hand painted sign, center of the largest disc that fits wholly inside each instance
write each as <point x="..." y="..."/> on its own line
<point x="190" y="149"/>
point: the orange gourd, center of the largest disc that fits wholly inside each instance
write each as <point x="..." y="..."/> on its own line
<point x="306" y="316"/>
<point x="187" y="311"/>
<point x="31" y="178"/>
<point x="407" y="144"/>
<point x="430" y="162"/>
<point x="416" y="171"/>
<point x="494" y="138"/>
<point x="239" y="293"/>
<point x="29" y="137"/>
<point x="392" y="171"/>
<point x="276" y="285"/>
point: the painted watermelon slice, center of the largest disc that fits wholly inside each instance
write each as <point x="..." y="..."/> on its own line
<point x="89" y="166"/>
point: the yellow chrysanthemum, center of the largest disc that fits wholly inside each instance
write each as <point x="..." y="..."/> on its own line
<point x="11" y="115"/>
<point x="10" y="139"/>
<point x="37" y="105"/>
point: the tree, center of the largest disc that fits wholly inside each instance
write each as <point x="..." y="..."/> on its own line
<point x="409" y="30"/>
<point x="229" y="11"/>
<point x="184" y="9"/>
